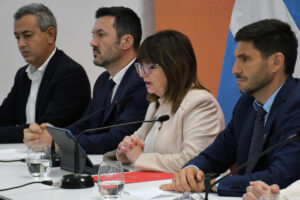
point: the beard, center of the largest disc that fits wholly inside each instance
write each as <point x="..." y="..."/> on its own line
<point x="107" y="58"/>
<point x="254" y="86"/>
<point x="107" y="61"/>
<point x="258" y="81"/>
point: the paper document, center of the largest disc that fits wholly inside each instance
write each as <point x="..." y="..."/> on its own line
<point x="13" y="154"/>
<point x="149" y="193"/>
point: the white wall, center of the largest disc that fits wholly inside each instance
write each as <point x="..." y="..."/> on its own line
<point x="75" y="20"/>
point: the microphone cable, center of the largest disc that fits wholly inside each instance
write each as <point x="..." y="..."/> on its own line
<point x="19" y="160"/>
<point x="46" y="182"/>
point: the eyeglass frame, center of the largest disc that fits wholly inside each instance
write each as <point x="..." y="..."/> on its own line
<point x="147" y="68"/>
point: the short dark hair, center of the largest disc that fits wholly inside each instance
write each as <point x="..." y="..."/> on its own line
<point x="42" y="13"/>
<point x="174" y="53"/>
<point x="270" y="36"/>
<point x="126" y="22"/>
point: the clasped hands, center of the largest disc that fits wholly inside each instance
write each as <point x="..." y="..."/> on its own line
<point x="36" y="134"/>
<point x="130" y="149"/>
<point x="258" y="188"/>
<point x="188" y="179"/>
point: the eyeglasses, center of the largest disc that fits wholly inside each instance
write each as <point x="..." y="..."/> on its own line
<point x="147" y="68"/>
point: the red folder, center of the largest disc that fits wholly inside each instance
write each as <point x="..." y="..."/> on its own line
<point x="143" y="176"/>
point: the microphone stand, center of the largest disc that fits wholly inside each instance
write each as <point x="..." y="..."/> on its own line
<point x="76" y="180"/>
<point x="288" y="139"/>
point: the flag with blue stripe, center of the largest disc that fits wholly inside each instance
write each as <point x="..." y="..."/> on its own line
<point x="246" y="12"/>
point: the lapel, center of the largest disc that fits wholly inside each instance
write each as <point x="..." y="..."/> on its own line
<point x="51" y="68"/>
<point x="147" y="126"/>
<point x="276" y="106"/>
<point x="25" y="85"/>
<point x="121" y="91"/>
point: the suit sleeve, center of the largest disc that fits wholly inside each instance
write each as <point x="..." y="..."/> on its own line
<point x="61" y="100"/>
<point x="133" y="110"/>
<point x="282" y="165"/>
<point x="12" y="120"/>
<point x="68" y="100"/>
<point x="8" y="107"/>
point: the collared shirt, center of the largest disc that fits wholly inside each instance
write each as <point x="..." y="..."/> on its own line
<point x="117" y="78"/>
<point x="267" y="107"/>
<point x="268" y="104"/>
<point x="35" y="75"/>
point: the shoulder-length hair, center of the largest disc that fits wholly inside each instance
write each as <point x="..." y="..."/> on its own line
<point x="174" y="53"/>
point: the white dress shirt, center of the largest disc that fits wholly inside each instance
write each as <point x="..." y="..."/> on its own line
<point x="118" y="78"/>
<point x="35" y="75"/>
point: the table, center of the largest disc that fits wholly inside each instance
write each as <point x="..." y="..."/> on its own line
<point x="13" y="174"/>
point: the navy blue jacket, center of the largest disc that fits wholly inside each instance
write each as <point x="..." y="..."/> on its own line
<point x="280" y="166"/>
<point x="63" y="96"/>
<point x="128" y="111"/>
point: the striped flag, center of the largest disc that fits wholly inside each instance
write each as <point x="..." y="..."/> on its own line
<point x="246" y="12"/>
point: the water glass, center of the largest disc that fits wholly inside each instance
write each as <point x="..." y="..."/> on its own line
<point x="39" y="160"/>
<point x="111" y="179"/>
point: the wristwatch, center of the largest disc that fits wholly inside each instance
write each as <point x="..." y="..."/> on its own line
<point x="207" y="178"/>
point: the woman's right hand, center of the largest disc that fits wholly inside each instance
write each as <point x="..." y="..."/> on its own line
<point x="122" y="149"/>
<point x="127" y="143"/>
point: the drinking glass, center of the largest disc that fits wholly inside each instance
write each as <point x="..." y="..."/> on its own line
<point x="39" y="160"/>
<point x="111" y="179"/>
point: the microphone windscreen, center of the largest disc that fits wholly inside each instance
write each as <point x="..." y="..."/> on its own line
<point x="163" y="118"/>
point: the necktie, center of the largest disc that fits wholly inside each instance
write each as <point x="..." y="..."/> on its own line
<point x="109" y="90"/>
<point x="257" y="138"/>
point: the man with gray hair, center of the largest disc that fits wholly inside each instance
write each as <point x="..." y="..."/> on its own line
<point x="51" y="87"/>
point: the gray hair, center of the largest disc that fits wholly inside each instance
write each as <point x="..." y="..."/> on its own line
<point x="43" y="15"/>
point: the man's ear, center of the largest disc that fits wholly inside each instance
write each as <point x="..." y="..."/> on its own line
<point x="51" y="34"/>
<point x="126" y="41"/>
<point x="277" y="61"/>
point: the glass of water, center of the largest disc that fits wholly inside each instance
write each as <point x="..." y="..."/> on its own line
<point x="39" y="160"/>
<point x="111" y="179"/>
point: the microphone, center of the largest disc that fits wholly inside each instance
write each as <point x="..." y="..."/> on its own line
<point x="288" y="139"/>
<point x="76" y="181"/>
<point x="90" y="131"/>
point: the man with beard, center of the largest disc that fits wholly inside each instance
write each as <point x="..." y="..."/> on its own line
<point x="116" y="38"/>
<point x="267" y="113"/>
<point x="52" y="87"/>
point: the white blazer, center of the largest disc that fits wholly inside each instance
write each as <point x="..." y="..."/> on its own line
<point x="194" y="126"/>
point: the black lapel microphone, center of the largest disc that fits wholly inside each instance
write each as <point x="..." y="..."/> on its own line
<point x="122" y="100"/>
<point x="76" y="181"/>
<point x="288" y="139"/>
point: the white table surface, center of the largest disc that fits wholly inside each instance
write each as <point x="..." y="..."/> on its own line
<point x="13" y="174"/>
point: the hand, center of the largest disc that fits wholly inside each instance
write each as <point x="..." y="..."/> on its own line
<point x="132" y="144"/>
<point x="187" y="179"/>
<point x="134" y="153"/>
<point x="37" y="134"/>
<point x="129" y="142"/>
<point x="121" y="153"/>
<point x="258" y="188"/>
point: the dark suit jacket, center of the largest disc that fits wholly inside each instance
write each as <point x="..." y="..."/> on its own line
<point x="62" y="98"/>
<point x="280" y="166"/>
<point x="131" y="110"/>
